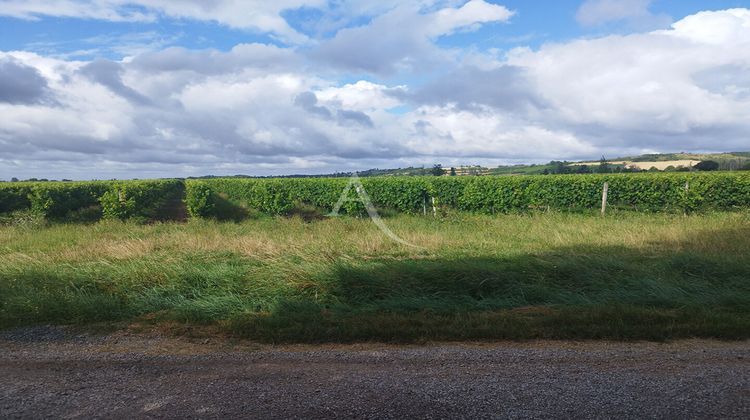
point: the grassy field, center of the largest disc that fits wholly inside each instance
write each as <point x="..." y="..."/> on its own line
<point x="548" y="275"/>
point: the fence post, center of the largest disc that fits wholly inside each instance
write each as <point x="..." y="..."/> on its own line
<point x="434" y="208"/>
<point x="605" y="192"/>
<point x="424" y="205"/>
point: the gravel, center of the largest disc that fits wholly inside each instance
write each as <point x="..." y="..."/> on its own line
<point x="52" y="372"/>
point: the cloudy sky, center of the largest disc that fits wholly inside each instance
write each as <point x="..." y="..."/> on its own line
<point x="160" y="88"/>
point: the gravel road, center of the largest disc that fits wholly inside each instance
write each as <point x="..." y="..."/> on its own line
<point x="51" y="372"/>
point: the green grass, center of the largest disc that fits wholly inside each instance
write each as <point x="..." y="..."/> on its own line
<point x="627" y="276"/>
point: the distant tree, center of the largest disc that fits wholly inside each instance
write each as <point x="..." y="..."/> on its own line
<point x="707" y="165"/>
<point x="453" y="171"/>
<point x="583" y="169"/>
<point x="604" y="167"/>
<point x="545" y="171"/>
<point x="559" y="167"/>
<point x="745" y="167"/>
<point x="670" y="168"/>
<point x="437" y="170"/>
<point x="14" y="179"/>
<point x="653" y="169"/>
<point x="682" y="169"/>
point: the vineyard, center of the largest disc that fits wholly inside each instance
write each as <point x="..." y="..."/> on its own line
<point x="412" y="195"/>
<point x="683" y="192"/>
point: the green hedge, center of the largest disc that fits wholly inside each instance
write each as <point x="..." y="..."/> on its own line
<point x="491" y="194"/>
<point x="118" y="199"/>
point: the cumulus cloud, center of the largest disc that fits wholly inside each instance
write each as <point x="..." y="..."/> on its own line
<point x="728" y="80"/>
<point x="362" y="95"/>
<point x="20" y="83"/>
<point x="109" y="74"/>
<point x="309" y="102"/>
<point x="505" y="88"/>
<point x="208" y="62"/>
<point x="641" y="89"/>
<point x="357" y="117"/>
<point x="403" y="37"/>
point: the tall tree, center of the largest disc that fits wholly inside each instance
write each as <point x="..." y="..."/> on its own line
<point x="604" y="167"/>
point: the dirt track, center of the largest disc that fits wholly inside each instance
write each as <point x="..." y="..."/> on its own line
<point x="48" y="372"/>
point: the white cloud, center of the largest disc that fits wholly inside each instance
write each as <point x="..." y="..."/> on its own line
<point x="448" y="131"/>
<point x="729" y="27"/>
<point x="475" y="12"/>
<point x="361" y="96"/>
<point x="403" y="38"/>
<point x="642" y="88"/>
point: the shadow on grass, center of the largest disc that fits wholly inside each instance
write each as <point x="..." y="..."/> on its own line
<point x="228" y="211"/>
<point x="694" y="288"/>
<point x="619" y="293"/>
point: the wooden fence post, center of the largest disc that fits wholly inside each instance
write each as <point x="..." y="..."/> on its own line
<point x="434" y="208"/>
<point x="605" y="192"/>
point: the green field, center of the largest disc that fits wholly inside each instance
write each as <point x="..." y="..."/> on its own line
<point x="284" y="279"/>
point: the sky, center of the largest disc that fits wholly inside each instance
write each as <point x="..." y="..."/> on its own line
<point x="100" y="89"/>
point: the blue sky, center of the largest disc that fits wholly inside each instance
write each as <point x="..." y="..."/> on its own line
<point x="534" y="23"/>
<point x="178" y="87"/>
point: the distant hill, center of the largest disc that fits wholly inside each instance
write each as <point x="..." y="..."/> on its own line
<point x="666" y="161"/>
<point x="663" y="161"/>
<point x="689" y="156"/>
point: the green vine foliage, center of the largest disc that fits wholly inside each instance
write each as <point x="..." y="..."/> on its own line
<point x="199" y="200"/>
<point x="118" y="199"/>
<point x="650" y="192"/>
<point x="138" y="199"/>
